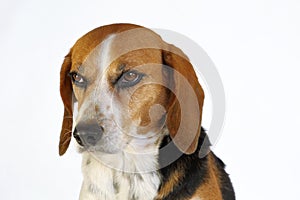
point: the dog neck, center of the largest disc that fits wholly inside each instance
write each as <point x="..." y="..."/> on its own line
<point x="120" y="176"/>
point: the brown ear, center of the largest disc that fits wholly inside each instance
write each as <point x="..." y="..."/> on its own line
<point x="66" y="93"/>
<point x="184" y="114"/>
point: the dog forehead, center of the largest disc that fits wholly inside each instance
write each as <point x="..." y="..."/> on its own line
<point x="130" y="37"/>
<point x="132" y="48"/>
<point x="90" y="40"/>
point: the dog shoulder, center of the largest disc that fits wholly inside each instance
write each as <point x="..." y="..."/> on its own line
<point x="200" y="175"/>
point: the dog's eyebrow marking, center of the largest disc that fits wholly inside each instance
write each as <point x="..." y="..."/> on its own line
<point x="113" y="78"/>
<point x="121" y="67"/>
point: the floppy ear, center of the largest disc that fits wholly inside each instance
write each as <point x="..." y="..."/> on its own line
<point x="185" y="111"/>
<point x="66" y="93"/>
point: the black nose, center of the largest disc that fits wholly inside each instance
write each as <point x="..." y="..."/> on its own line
<point x="88" y="134"/>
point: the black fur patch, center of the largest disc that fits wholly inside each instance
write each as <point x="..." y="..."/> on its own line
<point x="226" y="185"/>
<point x="194" y="168"/>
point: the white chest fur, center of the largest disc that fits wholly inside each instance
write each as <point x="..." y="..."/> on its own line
<point x="101" y="182"/>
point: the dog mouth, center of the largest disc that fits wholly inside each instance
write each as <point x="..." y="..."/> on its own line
<point x="95" y="139"/>
<point x="98" y="144"/>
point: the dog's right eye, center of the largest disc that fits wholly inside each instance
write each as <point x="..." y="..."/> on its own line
<point x="77" y="79"/>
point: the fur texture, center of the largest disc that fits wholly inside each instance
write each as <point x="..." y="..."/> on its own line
<point x="138" y="125"/>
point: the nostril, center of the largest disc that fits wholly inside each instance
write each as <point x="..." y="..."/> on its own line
<point x="77" y="137"/>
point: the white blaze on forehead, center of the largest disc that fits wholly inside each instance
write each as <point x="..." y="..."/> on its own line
<point x="118" y="44"/>
<point x="98" y="61"/>
<point x="105" y="55"/>
<point x="101" y="57"/>
<point x="134" y="39"/>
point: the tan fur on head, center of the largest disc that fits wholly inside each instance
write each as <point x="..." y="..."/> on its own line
<point x="77" y="54"/>
<point x="185" y="113"/>
<point x="183" y="108"/>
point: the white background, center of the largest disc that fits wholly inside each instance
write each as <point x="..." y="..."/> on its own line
<point x="254" y="44"/>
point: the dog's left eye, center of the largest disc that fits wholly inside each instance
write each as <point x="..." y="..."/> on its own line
<point x="129" y="79"/>
<point x="77" y="79"/>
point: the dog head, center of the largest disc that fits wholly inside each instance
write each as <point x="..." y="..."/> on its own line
<point x="131" y="88"/>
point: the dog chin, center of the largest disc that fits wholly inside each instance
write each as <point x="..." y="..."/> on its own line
<point x="96" y="150"/>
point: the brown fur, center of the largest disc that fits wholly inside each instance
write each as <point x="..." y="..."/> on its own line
<point x="139" y="108"/>
<point x="176" y="91"/>
<point x="73" y="60"/>
<point x="169" y="186"/>
<point x="210" y="189"/>
<point x="66" y="94"/>
<point x="191" y="119"/>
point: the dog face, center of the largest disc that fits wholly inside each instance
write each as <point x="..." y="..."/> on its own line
<point x="131" y="88"/>
<point x="124" y="101"/>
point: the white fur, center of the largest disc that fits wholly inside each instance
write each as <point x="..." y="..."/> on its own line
<point x="120" y="166"/>
<point x="97" y="180"/>
<point x="102" y="182"/>
<point x="104" y="53"/>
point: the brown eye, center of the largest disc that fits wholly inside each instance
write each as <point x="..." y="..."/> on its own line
<point x="77" y="79"/>
<point x="129" y="79"/>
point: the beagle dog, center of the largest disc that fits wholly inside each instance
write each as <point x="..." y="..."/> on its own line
<point x="138" y="107"/>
